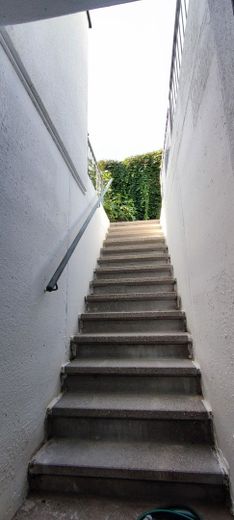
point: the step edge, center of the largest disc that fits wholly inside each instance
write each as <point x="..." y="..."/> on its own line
<point x="133" y="281"/>
<point x="130" y="413"/>
<point x="128" y="315"/>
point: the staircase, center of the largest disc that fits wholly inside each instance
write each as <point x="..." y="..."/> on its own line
<point x="131" y="421"/>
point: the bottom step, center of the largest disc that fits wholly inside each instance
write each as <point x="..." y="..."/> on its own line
<point x="120" y="468"/>
<point x="45" y="506"/>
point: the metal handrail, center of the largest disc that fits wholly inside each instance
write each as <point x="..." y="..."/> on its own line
<point x="53" y="283"/>
<point x="181" y="14"/>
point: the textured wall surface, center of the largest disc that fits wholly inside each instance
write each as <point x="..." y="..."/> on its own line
<point x="198" y="206"/>
<point x="41" y="209"/>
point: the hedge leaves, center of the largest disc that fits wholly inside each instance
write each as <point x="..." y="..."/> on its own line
<point x="135" y="190"/>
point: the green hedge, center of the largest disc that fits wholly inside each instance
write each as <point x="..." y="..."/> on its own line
<point x="135" y="191"/>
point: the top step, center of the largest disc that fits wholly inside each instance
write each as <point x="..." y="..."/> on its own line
<point x="134" y="223"/>
<point x="135" y="229"/>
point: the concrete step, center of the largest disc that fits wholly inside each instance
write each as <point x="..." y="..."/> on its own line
<point x="146" y="321"/>
<point x="133" y="366"/>
<point x="130" y="249"/>
<point x="133" y="377"/>
<point x="131" y="285"/>
<point x="133" y="271"/>
<point x="132" y="227"/>
<point x="135" y="233"/>
<point x="134" y="223"/>
<point x="48" y="506"/>
<point x="127" y="417"/>
<point x="153" y="241"/>
<point x="78" y="465"/>
<point x="131" y="302"/>
<point x="128" y="346"/>
<point x="142" y="260"/>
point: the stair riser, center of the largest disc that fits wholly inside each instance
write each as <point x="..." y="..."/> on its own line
<point x="128" y="250"/>
<point x="159" y="272"/>
<point x="135" y="234"/>
<point x="134" y="241"/>
<point x="141" y="287"/>
<point x="134" y="228"/>
<point x="159" y="430"/>
<point x="188" y="385"/>
<point x="131" y="305"/>
<point x="118" y="351"/>
<point x="154" y="233"/>
<point x="169" y="492"/>
<point x="134" y="325"/>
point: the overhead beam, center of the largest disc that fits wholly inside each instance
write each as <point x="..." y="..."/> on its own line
<point x="20" y="11"/>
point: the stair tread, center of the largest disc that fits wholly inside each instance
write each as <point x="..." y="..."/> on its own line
<point x="135" y="231"/>
<point x="135" y="267"/>
<point x="154" y="233"/>
<point x="161" y="245"/>
<point x="135" y="223"/>
<point x="143" y="234"/>
<point x="132" y="296"/>
<point x="145" y="460"/>
<point x="181" y="337"/>
<point x="156" y="366"/>
<point x="141" y="229"/>
<point x="134" y="239"/>
<point x="131" y="315"/>
<point x="147" y="405"/>
<point x="134" y="281"/>
<point x="148" y="256"/>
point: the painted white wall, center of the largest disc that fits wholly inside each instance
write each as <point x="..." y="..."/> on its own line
<point x="41" y="209"/>
<point x="198" y="204"/>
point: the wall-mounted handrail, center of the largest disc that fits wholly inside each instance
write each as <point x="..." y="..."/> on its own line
<point x="53" y="283"/>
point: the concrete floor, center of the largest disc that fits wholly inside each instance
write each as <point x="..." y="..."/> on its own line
<point x="69" y="507"/>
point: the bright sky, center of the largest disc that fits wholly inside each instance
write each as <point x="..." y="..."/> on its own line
<point x="129" y="62"/>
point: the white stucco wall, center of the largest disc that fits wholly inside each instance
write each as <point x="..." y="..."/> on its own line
<point x="198" y="205"/>
<point x="41" y="209"/>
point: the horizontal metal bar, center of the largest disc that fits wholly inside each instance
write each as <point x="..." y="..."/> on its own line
<point x="99" y="179"/>
<point x="53" y="283"/>
<point x="93" y="155"/>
